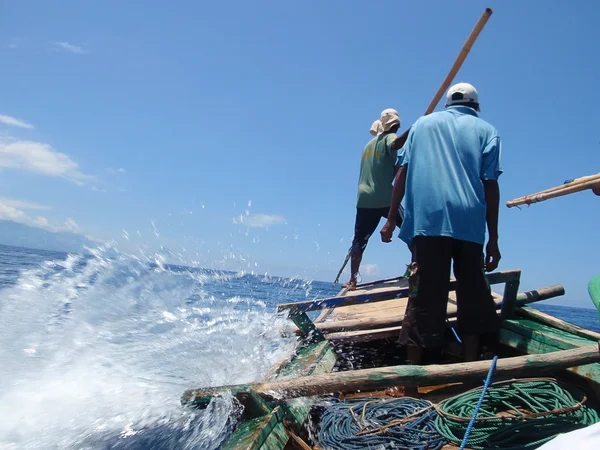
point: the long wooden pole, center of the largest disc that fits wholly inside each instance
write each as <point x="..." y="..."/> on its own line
<point x="580" y="184"/>
<point x="411" y="375"/>
<point x="466" y="48"/>
<point x="458" y="62"/>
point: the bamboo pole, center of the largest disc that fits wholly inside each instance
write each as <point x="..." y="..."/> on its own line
<point x="466" y="48"/>
<point x="580" y="184"/>
<point x="410" y="375"/>
<point x="458" y="62"/>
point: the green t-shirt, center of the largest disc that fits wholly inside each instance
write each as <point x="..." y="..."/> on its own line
<point x="377" y="172"/>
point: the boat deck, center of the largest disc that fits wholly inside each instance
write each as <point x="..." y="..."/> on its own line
<point x="377" y="320"/>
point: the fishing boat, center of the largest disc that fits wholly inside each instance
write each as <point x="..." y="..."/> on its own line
<point x="348" y="356"/>
<point x="339" y="388"/>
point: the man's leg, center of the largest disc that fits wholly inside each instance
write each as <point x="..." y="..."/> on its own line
<point x="365" y="224"/>
<point x="424" y="323"/>
<point x="476" y="309"/>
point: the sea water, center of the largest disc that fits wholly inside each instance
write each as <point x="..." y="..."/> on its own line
<point x="95" y="351"/>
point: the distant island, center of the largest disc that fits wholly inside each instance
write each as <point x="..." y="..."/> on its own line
<point x="20" y="235"/>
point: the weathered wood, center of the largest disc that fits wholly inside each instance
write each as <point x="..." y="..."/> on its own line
<point x="386" y="323"/>
<point x="464" y="51"/>
<point x="540" y="294"/>
<point x="337" y="302"/>
<point x="577" y="185"/>
<point x="509" y="300"/>
<point x="550" y="337"/>
<point x="307" y="328"/>
<point x="547" y="319"/>
<point x="378" y="282"/>
<point x="544" y="341"/>
<point x="409" y="375"/>
<point x="266" y="432"/>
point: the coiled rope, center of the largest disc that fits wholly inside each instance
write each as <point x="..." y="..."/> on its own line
<point x="515" y="415"/>
<point x="358" y="424"/>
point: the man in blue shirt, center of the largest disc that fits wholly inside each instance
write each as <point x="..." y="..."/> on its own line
<point x="449" y="169"/>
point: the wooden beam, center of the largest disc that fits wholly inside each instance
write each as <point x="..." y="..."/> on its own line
<point x="307" y="328"/>
<point x="387" y="326"/>
<point x="547" y="319"/>
<point x="412" y="375"/>
<point x="509" y="300"/>
<point x="337" y="302"/>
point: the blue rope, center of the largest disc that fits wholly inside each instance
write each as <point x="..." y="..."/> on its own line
<point x="343" y="422"/>
<point x="483" y="392"/>
<point x="454" y="331"/>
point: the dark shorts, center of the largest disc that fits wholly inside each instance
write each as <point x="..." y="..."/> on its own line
<point x="367" y="220"/>
<point x="424" y="323"/>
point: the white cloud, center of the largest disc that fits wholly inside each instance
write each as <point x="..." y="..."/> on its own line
<point x="115" y="171"/>
<point x="8" y="211"/>
<point x="40" y="158"/>
<point x="14" y="122"/>
<point x="71" y="225"/>
<point x="369" y="269"/>
<point x="21" y="204"/>
<point x="259" y="220"/>
<point x="69" y="47"/>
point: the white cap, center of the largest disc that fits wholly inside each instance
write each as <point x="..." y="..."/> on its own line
<point x="468" y="91"/>
<point x="389" y="118"/>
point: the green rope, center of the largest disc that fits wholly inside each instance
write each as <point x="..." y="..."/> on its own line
<point x="514" y="415"/>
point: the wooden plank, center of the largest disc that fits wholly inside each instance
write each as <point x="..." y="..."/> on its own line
<point x="536" y="343"/>
<point x="336" y="302"/>
<point x="307" y="328"/>
<point x="383" y="316"/>
<point x="266" y="432"/>
<point x="416" y="375"/>
<point x="563" y="325"/>
<point x="392" y="332"/>
<point x="545" y="335"/>
<point x="509" y="302"/>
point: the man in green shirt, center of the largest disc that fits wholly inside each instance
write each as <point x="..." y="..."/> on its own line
<point x="377" y="171"/>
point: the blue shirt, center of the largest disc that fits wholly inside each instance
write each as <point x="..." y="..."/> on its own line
<point x="448" y="154"/>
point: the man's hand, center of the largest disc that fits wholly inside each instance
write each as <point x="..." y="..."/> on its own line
<point x="388" y="230"/>
<point x="492" y="255"/>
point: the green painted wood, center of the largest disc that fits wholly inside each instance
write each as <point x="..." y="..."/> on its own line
<point x="305" y="359"/>
<point x="527" y="344"/>
<point x="536" y="338"/>
<point x="265" y="432"/>
<point x="547" y="334"/>
<point x="307" y="327"/>
<point x="563" y="325"/>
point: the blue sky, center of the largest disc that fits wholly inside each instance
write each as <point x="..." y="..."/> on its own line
<point x="117" y="115"/>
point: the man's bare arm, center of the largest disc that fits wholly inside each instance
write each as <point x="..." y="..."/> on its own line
<point x="492" y="199"/>
<point x="397" y="196"/>
<point x="400" y="141"/>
